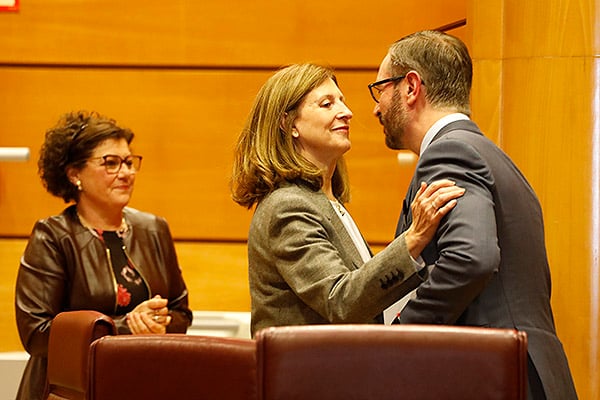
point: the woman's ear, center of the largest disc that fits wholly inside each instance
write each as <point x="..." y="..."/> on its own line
<point x="283" y="122"/>
<point x="73" y="175"/>
<point x="284" y="126"/>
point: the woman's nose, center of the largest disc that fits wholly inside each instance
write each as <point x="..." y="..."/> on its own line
<point x="345" y="113"/>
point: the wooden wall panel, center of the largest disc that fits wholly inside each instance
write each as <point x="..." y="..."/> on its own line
<point x="216" y="275"/>
<point x="183" y="75"/>
<point x="213" y="32"/>
<point x="565" y="28"/>
<point x="554" y="148"/>
<point x="536" y="87"/>
<point x="10" y="254"/>
<point x="186" y="124"/>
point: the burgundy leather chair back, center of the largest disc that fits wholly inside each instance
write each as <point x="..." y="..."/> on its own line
<point x="71" y="334"/>
<point x="345" y="362"/>
<point x="172" y="366"/>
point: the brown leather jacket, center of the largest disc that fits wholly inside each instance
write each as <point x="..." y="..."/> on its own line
<point x="66" y="267"/>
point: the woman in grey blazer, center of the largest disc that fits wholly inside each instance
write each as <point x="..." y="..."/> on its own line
<point x="308" y="262"/>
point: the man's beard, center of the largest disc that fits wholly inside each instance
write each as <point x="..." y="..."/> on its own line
<point x="394" y="122"/>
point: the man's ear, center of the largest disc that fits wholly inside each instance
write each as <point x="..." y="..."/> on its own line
<point x="413" y="85"/>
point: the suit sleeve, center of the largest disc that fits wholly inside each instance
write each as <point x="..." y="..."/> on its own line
<point x="464" y="252"/>
<point x="307" y="252"/>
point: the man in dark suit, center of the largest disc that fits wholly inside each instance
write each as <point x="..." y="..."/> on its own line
<point x="488" y="258"/>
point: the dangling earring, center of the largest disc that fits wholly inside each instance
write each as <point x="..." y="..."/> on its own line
<point x="78" y="184"/>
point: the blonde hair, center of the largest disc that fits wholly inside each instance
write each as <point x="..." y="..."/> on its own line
<point x="265" y="154"/>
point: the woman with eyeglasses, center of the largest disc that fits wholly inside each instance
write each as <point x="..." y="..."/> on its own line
<point x="98" y="254"/>
<point x="308" y="262"/>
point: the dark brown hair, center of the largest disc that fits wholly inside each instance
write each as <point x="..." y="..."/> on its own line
<point x="444" y="63"/>
<point x="69" y="144"/>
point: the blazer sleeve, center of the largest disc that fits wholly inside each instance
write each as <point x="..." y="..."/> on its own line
<point x="40" y="289"/>
<point x="312" y="258"/>
<point x="153" y="251"/>
<point x="465" y="249"/>
<point x="178" y="295"/>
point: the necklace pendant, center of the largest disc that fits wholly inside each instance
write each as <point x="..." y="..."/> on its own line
<point x="339" y="208"/>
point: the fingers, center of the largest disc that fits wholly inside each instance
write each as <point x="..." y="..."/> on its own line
<point x="438" y="194"/>
<point x="156" y="323"/>
<point x="156" y="303"/>
<point x="163" y="319"/>
<point x="144" y="322"/>
<point x="443" y="210"/>
<point x="136" y="324"/>
<point x="431" y="203"/>
<point x="435" y="186"/>
<point x="443" y="197"/>
<point x="422" y="189"/>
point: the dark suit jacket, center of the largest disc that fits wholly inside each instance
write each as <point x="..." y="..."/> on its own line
<point x="305" y="269"/>
<point x="491" y="268"/>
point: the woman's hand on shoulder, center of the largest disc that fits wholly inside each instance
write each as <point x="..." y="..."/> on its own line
<point x="431" y="203"/>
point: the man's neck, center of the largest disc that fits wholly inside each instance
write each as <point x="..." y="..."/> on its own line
<point x="423" y="124"/>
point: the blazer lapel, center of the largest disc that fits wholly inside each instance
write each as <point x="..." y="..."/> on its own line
<point x="406" y="215"/>
<point x="350" y="254"/>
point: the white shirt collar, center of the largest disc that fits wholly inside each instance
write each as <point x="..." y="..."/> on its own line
<point x="439" y="124"/>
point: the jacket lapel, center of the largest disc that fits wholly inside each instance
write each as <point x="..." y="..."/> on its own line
<point x="349" y="251"/>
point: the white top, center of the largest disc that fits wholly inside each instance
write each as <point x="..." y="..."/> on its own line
<point x="352" y="229"/>
<point x="390" y="313"/>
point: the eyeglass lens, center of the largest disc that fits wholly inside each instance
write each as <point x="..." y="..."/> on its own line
<point x="376" y="93"/>
<point x="113" y="163"/>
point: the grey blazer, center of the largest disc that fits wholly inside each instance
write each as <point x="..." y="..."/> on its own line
<point x="491" y="268"/>
<point x="305" y="269"/>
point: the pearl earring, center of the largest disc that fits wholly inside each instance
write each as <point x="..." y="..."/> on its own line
<point x="78" y="184"/>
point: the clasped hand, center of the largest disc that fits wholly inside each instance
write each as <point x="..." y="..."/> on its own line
<point x="150" y="316"/>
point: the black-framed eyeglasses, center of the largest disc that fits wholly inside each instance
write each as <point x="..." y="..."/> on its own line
<point x="112" y="163"/>
<point x="376" y="90"/>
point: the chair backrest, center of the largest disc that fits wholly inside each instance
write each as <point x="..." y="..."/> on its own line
<point x="71" y="334"/>
<point x="331" y="362"/>
<point x="172" y="366"/>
